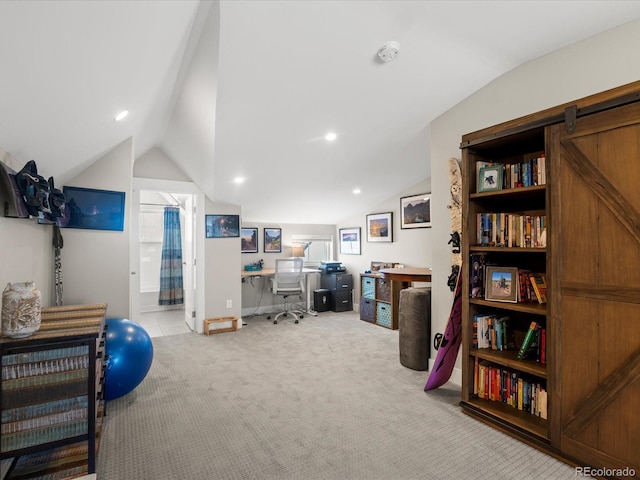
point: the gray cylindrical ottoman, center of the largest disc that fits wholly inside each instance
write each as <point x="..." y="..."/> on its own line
<point x="414" y="325"/>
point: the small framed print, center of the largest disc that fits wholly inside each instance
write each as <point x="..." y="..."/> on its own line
<point x="222" y="226"/>
<point x="272" y="240"/>
<point x="380" y="227"/>
<point x="490" y="178"/>
<point x="415" y="211"/>
<point x="249" y="240"/>
<point x="350" y="241"/>
<point x="501" y="284"/>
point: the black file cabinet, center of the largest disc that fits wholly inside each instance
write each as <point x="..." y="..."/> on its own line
<point x="340" y="286"/>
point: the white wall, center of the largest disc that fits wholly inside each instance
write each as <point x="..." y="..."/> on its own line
<point x="156" y="164"/>
<point x="95" y="263"/>
<point x="410" y="247"/>
<point x="602" y="62"/>
<point x="222" y="271"/>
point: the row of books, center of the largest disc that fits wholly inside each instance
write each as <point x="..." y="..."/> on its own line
<point x="532" y="286"/>
<point x="511" y="230"/>
<point x="499" y="384"/>
<point x="44" y="367"/>
<point x="42" y="409"/>
<point x="528" y="173"/>
<point x="44" y="355"/>
<point x="498" y="333"/>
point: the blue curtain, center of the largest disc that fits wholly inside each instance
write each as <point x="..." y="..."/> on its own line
<point x="171" y="291"/>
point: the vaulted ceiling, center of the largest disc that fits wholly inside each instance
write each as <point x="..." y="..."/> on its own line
<point x="250" y="88"/>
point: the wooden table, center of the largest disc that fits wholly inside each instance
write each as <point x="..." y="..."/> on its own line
<point x="407" y="274"/>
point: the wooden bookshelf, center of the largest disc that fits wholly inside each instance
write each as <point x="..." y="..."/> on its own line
<point x="590" y="260"/>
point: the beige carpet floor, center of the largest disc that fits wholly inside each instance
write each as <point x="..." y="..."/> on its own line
<point x="324" y="399"/>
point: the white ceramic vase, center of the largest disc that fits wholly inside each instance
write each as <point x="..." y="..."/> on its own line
<point x="21" y="312"/>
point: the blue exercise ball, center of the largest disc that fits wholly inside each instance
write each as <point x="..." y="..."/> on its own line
<point x="129" y="353"/>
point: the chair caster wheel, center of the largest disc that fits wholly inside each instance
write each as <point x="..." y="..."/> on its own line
<point x="268" y="317"/>
<point x="296" y="321"/>
<point x="301" y="316"/>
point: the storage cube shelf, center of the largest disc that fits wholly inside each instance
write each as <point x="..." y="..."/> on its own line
<point x="51" y="393"/>
<point x="379" y="300"/>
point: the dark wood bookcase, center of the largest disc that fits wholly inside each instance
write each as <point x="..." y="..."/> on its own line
<point x="51" y="395"/>
<point x="591" y="206"/>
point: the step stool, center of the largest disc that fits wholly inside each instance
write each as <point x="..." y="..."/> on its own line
<point x="209" y="321"/>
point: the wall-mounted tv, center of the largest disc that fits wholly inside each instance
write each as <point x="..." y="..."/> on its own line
<point x="94" y="209"/>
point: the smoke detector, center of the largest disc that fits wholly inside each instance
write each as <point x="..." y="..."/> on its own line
<point x="389" y="51"/>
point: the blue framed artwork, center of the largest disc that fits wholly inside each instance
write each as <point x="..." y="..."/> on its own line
<point x="94" y="209"/>
<point x="222" y="226"/>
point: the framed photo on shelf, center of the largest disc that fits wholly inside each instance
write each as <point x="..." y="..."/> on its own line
<point x="490" y="178"/>
<point x="501" y="284"/>
<point x="415" y="211"/>
<point x="272" y="240"/>
<point x="249" y="240"/>
<point x="380" y="227"/>
<point x="350" y="241"/>
<point x="222" y="226"/>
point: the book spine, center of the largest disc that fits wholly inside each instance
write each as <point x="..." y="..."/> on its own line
<point x="528" y="340"/>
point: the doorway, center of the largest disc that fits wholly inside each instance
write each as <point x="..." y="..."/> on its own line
<point x="150" y="199"/>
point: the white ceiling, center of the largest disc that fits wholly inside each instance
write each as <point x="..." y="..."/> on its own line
<point x="250" y="88"/>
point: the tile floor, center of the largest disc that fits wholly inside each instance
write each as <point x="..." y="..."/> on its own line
<point x="163" y="323"/>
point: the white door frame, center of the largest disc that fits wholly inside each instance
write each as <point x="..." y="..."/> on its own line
<point x="173" y="187"/>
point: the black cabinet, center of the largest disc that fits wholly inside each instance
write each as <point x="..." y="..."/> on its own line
<point x="340" y="286"/>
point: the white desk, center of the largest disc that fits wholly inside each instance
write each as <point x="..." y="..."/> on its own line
<point x="270" y="272"/>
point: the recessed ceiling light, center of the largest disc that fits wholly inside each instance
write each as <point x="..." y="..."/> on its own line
<point x="356" y="191"/>
<point x="121" y="115"/>
<point x="238" y="180"/>
<point x="330" y="137"/>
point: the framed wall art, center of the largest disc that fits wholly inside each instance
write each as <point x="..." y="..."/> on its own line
<point x="272" y="240"/>
<point x="249" y="240"/>
<point x="350" y="241"/>
<point x="222" y="226"/>
<point x="415" y="211"/>
<point x="94" y="209"/>
<point x="380" y="227"/>
<point x="501" y="284"/>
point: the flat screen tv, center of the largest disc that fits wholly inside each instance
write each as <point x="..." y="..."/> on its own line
<point x="94" y="209"/>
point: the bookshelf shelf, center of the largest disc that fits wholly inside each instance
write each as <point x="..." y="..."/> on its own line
<point x="482" y="249"/>
<point x="508" y="416"/>
<point x="509" y="359"/>
<point x="532" y="308"/>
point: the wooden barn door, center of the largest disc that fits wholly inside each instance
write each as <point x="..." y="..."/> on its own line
<point x="595" y="306"/>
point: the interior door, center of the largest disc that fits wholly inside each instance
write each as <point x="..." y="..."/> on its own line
<point x="189" y="262"/>
<point x="134" y="258"/>
<point x="595" y="203"/>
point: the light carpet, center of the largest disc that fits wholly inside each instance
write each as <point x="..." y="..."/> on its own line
<point x="324" y="399"/>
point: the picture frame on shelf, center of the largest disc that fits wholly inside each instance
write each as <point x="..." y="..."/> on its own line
<point x="501" y="284"/>
<point x="490" y="178"/>
<point x="272" y="240"/>
<point x="249" y="240"/>
<point x="350" y="241"/>
<point x="415" y="211"/>
<point x="380" y="227"/>
<point x="222" y="226"/>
